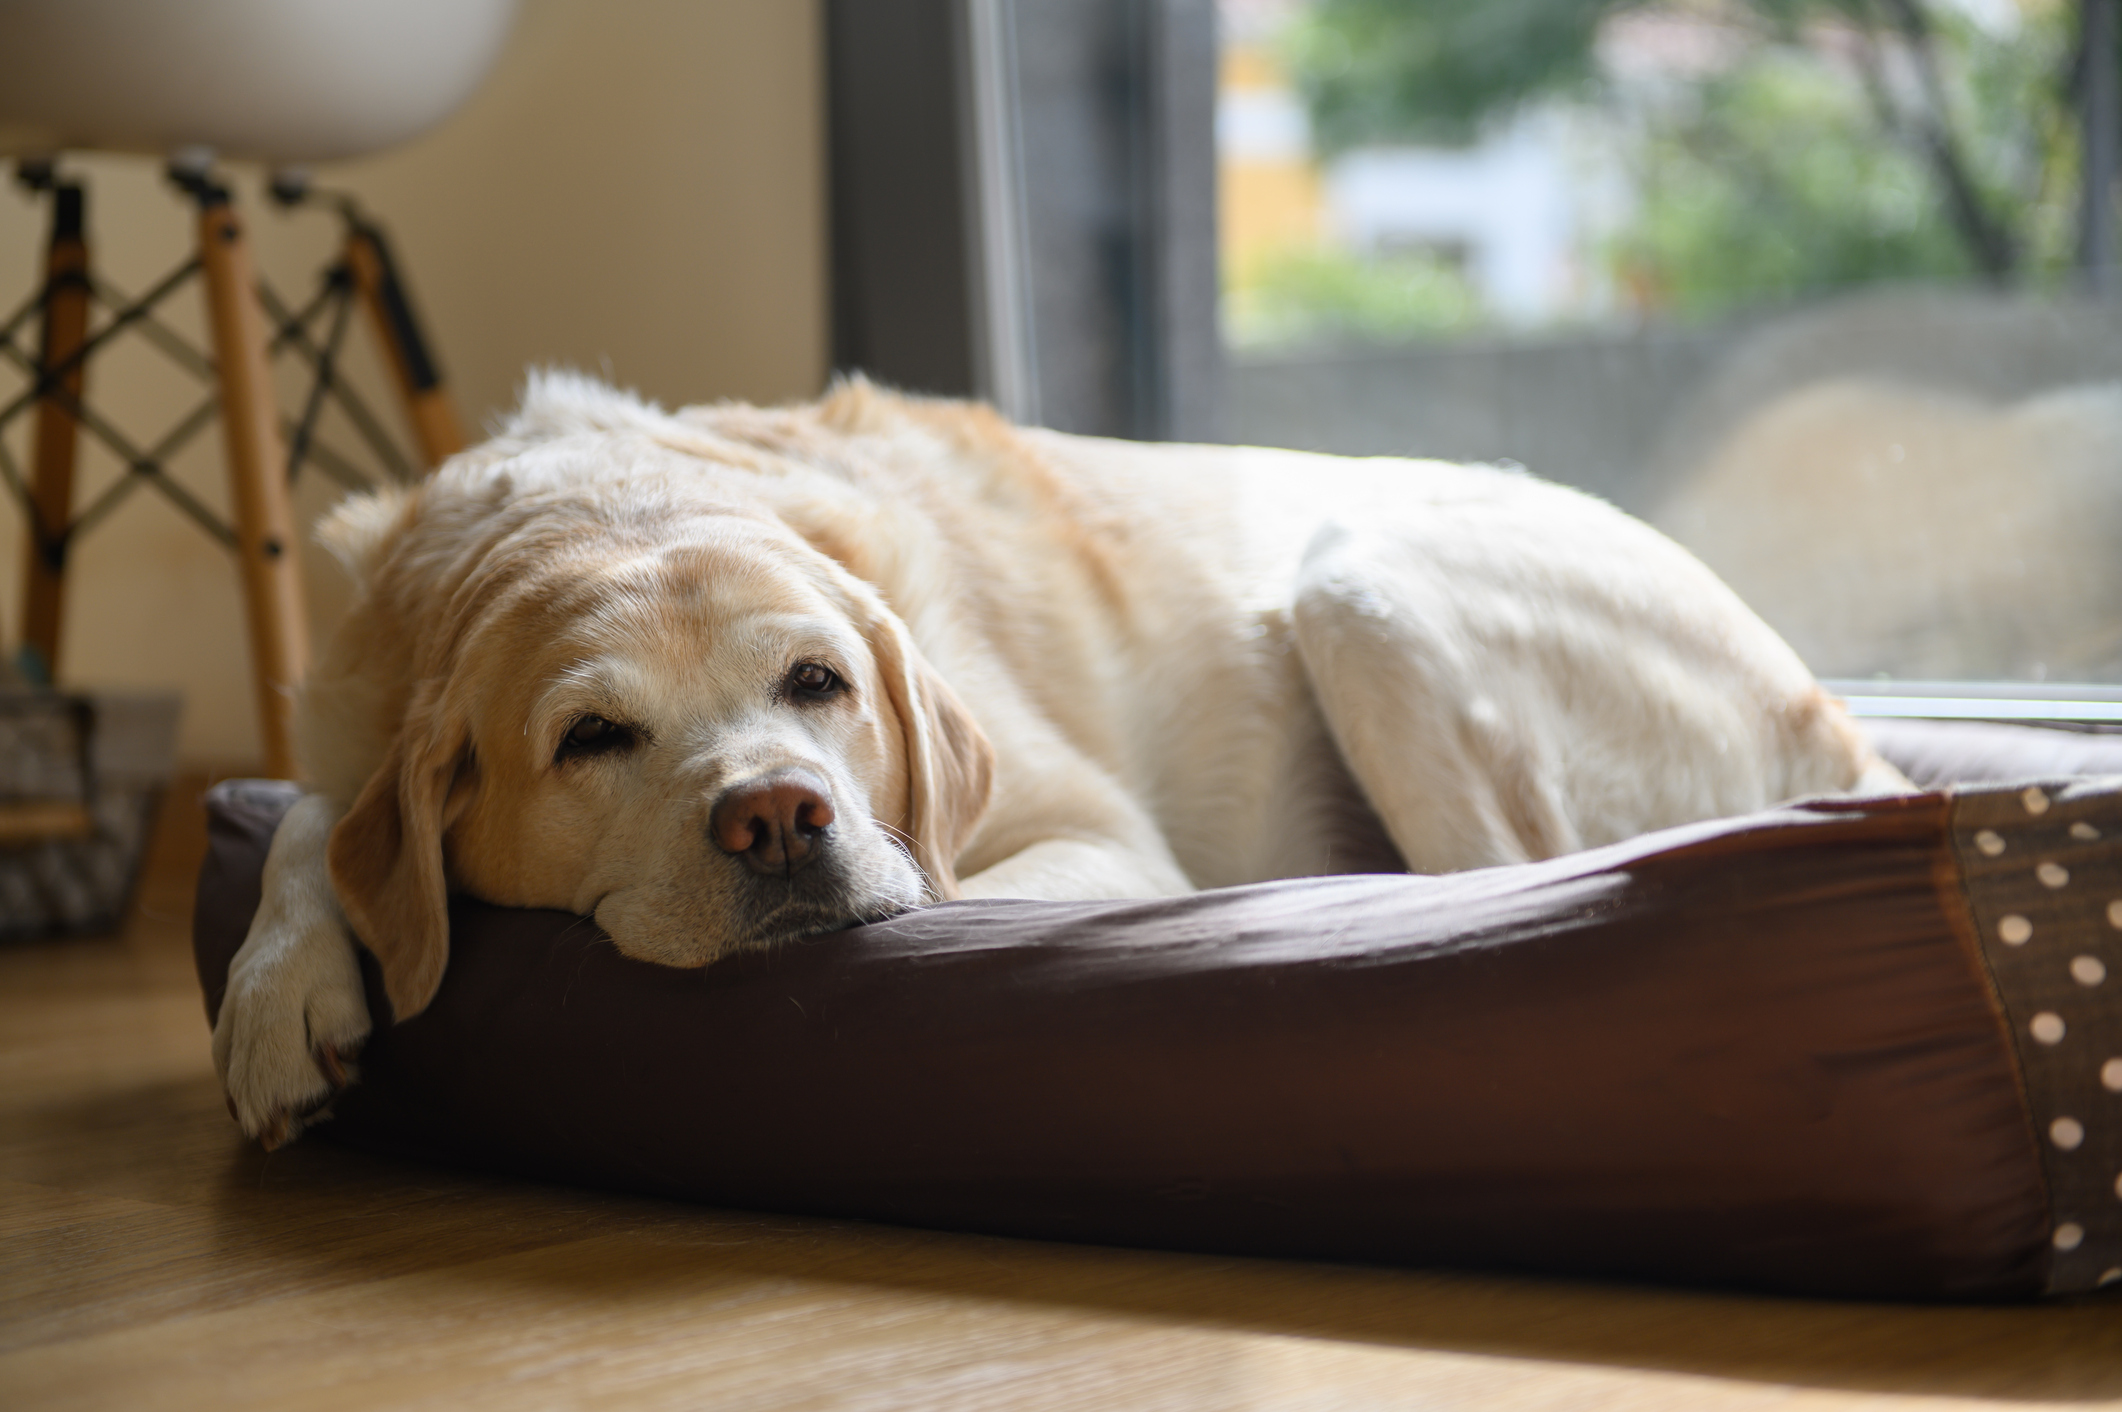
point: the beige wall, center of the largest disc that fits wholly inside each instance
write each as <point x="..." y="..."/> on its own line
<point x="637" y="189"/>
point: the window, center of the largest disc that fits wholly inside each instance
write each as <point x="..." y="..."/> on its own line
<point x="1024" y="205"/>
<point x="1825" y="288"/>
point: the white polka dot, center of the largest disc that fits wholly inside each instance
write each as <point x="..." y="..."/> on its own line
<point x="2111" y="1076"/>
<point x="2118" y="1187"/>
<point x="2109" y="1276"/>
<point x="2087" y="970"/>
<point x="2069" y="1236"/>
<point x="2035" y="801"/>
<point x="2083" y="832"/>
<point x="2052" y="874"/>
<point x="1990" y="842"/>
<point x="2013" y="930"/>
<point x="2067" y="1133"/>
<point x="2047" y="1027"/>
<point x="2114" y="914"/>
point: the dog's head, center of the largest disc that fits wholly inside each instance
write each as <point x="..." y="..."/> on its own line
<point x="706" y="733"/>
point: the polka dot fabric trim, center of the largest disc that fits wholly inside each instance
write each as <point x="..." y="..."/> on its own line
<point x="2042" y="865"/>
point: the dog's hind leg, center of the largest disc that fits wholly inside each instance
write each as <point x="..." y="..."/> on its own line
<point x="1518" y="671"/>
<point x="1434" y="751"/>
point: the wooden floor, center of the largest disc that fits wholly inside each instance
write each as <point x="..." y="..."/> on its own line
<point x="150" y="1258"/>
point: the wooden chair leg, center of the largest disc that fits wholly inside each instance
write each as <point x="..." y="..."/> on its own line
<point x="52" y="470"/>
<point x="257" y="468"/>
<point x="427" y="403"/>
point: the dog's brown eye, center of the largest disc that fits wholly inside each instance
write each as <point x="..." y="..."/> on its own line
<point x="593" y="735"/>
<point x="813" y="680"/>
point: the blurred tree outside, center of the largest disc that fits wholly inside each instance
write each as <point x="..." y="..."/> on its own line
<point x="1778" y="148"/>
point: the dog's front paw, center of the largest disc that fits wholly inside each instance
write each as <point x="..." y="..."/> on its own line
<point x="290" y="1026"/>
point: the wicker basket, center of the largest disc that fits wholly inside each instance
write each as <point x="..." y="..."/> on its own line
<point x="80" y="777"/>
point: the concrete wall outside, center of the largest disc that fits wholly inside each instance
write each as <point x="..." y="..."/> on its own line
<point x="638" y="189"/>
<point x="1629" y="415"/>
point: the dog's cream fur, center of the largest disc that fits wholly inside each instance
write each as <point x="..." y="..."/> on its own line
<point x="1074" y="669"/>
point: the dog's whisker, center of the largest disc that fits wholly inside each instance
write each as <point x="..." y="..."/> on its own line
<point x="898" y="836"/>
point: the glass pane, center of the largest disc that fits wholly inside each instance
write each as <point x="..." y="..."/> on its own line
<point x="1805" y="284"/>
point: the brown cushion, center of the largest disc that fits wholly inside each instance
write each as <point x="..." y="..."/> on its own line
<point x="1936" y="753"/>
<point x="1762" y="1052"/>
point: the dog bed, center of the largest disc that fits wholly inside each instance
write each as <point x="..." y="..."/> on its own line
<point x="1842" y="1047"/>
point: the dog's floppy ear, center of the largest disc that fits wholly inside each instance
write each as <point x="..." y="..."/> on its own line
<point x="950" y="766"/>
<point x="386" y="854"/>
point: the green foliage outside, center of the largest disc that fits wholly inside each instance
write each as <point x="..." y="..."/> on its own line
<point x="1848" y="142"/>
<point x="1310" y="296"/>
<point x="1432" y="71"/>
<point x="1778" y="180"/>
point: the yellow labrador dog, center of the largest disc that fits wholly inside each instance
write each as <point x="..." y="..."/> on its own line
<point x="733" y="675"/>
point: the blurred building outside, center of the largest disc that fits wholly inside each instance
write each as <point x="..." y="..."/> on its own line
<point x="1494" y="230"/>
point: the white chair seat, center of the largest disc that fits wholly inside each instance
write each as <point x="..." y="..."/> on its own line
<point x="282" y="81"/>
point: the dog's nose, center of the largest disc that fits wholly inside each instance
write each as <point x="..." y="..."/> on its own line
<point x="775" y="823"/>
